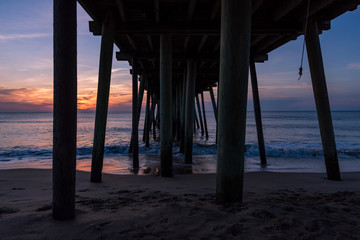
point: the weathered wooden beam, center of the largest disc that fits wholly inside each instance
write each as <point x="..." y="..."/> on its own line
<point x="284" y="8"/>
<point x="213" y="104"/>
<point x="322" y="100"/>
<point x="276" y="44"/>
<point x="338" y="8"/>
<point x="147" y="113"/>
<point x="121" y="9"/>
<point x="131" y="41"/>
<point x="178" y="110"/>
<point x="215" y="9"/>
<point x="192" y="28"/>
<point x="265" y="43"/>
<point x="256" y="4"/>
<point x="106" y="53"/>
<point x="141" y="95"/>
<point x="65" y="100"/>
<point x="204" y="115"/>
<point x="200" y="116"/>
<point x="151" y="46"/>
<point x="157" y="10"/>
<point x="183" y="113"/>
<point x="189" y="110"/>
<point x="135" y="126"/>
<point x="126" y="56"/>
<point x="186" y="43"/>
<point x="202" y="42"/>
<point x="166" y="105"/>
<point x="315" y="6"/>
<point x="257" y="112"/>
<point x="234" y="68"/>
<point x="191" y="9"/>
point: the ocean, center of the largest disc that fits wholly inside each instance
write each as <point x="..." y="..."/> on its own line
<point x="292" y="141"/>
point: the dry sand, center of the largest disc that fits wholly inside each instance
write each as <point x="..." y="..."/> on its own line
<point x="276" y="206"/>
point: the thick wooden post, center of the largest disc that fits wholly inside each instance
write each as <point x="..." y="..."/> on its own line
<point x="183" y="103"/>
<point x="197" y="125"/>
<point x="153" y="104"/>
<point x="135" y="125"/>
<point x="199" y="112"/>
<point x="64" y="129"/>
<point x="204" y="115"/>
<point x="166" y="105"/>
<point x="189" y="109"/>
<point x="213" y="103"/>
<point x="174" y="122"/>
<point x="178" y="111"/>
<point x="148" y="122"/>
<point x="141" y="95"/>
<point x="106" y="53"/>
<point x="322" y="101"/>
<point x="257" y="112"/>
<point x="234" y="69"/>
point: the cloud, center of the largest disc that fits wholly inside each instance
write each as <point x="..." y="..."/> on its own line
<point x="19" y="36"/>
<point x="354" y="66"/>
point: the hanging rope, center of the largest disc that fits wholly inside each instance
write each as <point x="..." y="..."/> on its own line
<point x="303" y="47"/>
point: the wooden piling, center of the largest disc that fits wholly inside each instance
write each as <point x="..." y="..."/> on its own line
<point x="199" y="112"/>
<point x="178" y="111"/>
<point x="183" y="103"/>
<point x="234" y="68"/>
<point x="141" y="95"/>
<point x="174" y="122"/>
<point x="322" y="101"/>
<point x="106" y="53"/>
<point x="147" y="113"/>
<point x="64" y="116"/>
<point x="135" y="125"/>
<point x="204" y="115"/>
<point x="166" y="105"/>
<point x="153" y="103"/>
<point x="189" y="109"/>
<point x="257" y="112"/>
<point x="213" y="103"/>
<point x="197" y="125"/>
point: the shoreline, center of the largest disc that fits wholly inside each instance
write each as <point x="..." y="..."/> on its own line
<point x="275" y="206"/>
<point x="202" y="164"/>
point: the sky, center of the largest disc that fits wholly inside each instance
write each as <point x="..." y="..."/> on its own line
<point x="26" y="65"/>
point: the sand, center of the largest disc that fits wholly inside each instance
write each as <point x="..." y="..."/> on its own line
<point x="275" y="206"/>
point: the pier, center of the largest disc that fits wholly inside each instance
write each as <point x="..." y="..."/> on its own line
<point x="178" y="50"/>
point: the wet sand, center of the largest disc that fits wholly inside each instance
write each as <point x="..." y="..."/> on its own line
<point x="275" y="206"/>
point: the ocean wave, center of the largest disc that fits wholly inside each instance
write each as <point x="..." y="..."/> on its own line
<point x="279" y="150"/>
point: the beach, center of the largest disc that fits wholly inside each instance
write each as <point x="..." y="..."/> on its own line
<point x="275" y="206"/>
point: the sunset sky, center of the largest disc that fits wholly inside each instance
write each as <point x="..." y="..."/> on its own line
<point x="26" y="75"/>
